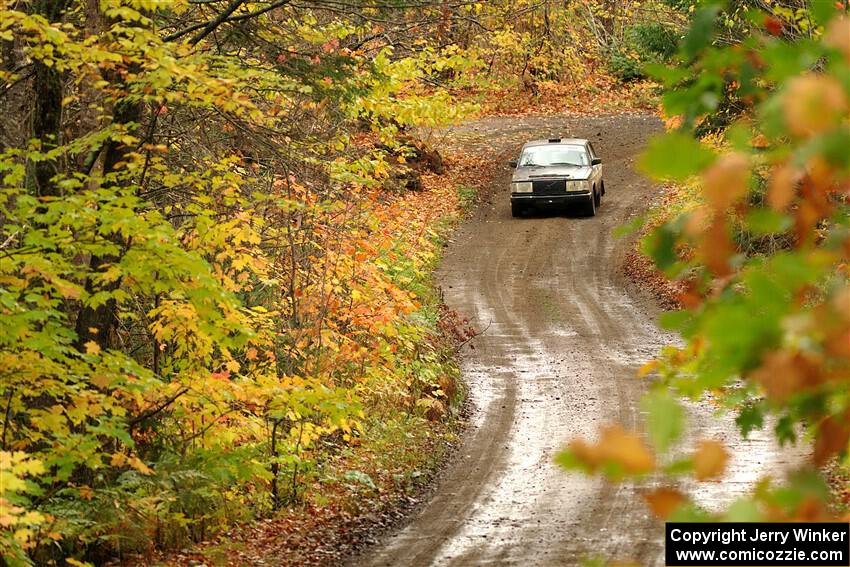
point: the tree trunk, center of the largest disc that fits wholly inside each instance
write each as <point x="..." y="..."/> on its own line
<point x="97" y="323"/>
<point x="47" y="108"/>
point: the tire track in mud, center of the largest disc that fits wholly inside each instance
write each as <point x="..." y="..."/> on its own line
<point x="565" y="335"/>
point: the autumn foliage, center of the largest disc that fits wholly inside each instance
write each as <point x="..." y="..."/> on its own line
<point x="205" y="287"/>
<point x="758" y="248"/>
<point x="220" y="217"/>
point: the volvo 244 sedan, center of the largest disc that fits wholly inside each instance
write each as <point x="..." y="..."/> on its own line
<point x="557" y="172"/>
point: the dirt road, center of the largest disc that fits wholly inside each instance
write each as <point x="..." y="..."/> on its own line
<point x="564" y="335"/>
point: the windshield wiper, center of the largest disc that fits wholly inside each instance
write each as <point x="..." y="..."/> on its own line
<point x="566" y="163"/>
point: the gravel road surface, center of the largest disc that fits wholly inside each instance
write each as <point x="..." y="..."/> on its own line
<point x="564" y="333"/>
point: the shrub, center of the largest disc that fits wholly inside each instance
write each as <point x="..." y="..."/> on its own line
<point x="642" y="43"/>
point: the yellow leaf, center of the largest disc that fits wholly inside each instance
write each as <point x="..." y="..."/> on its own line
<point x="101" y="381"/>
<point x="92" y="347"/>
<point x="137" y="464"/>
<point x="647" y="368"/>
<point x="67" y="289"/>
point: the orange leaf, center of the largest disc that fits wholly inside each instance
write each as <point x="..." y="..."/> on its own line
<point x="716" y="247"/>
<point x="760" y="141"/>
<point x="773" y="25"/>
<point x="813" y="104"/>
<point x="782" y="186"/>
<point x="832" y="438"/>
<point x="784" y="373"/>
<point x="617" y="446"/>
<point x="710" y="460"/>
<point x="726" y="180"/>
<point x="838" y="36"/>
<point x="625" y="448"/>
<point x="664" y="501"/>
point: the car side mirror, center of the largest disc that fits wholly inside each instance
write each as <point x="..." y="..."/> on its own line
<point x="512" y="163"/>
<point x="596" y="161"/>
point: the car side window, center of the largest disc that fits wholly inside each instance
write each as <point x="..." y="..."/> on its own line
<point x="592" y="151"/>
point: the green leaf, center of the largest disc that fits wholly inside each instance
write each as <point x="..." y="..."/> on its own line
<point x="702" y="29"/>
<point x="675" y="156"/>
<point x="750" y="418"/>
<point x="660" y="245"/>
<point x="360" y="478"/>
<point x="785" y="431"/>
<point x="679" y="467"/>
<point x="767" y="221"/>
<point x="674" y="320"/>
<point x="690" y="513"/>
<point x="742" y="510"/>
<point x="822" y="11"/>
<point x="567" y="460"/>
<point x="665" y="418"/>
<point x="630" y="227"/>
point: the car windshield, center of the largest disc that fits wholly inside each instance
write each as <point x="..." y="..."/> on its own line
<point x="553" y="155"/>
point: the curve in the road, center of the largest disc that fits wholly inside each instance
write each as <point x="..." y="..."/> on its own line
<point x="565" y="334"/>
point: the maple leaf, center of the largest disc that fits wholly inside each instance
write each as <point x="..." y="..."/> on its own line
<point x="664" y="501"/>
<point x="709" y="460"/>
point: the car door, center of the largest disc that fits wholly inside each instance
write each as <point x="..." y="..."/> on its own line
<point x="596" y="170"/>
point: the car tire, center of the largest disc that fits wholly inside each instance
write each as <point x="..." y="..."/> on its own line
<point x="590" y="207"/>
<point x="598" y="200"/>
<point x="517" y="209"/>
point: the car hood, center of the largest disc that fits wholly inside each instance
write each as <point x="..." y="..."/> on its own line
<point x="567" y="171"/>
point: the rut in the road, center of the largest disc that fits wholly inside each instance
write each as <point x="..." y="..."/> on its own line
<point x="565" y="335"/>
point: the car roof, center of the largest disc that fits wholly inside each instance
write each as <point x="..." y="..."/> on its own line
<point x="556" y="141"/>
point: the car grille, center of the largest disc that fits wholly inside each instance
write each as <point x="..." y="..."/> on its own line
<point x="549" y="187"/>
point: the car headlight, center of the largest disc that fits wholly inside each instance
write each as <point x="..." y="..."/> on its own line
<point x="580" y="185"/>
<point x="521" y="187"/>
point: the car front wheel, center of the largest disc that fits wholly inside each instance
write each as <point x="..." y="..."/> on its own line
<point x="590" y="207"/>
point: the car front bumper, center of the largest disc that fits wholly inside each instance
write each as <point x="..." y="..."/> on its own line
<point x="566" y="198"/>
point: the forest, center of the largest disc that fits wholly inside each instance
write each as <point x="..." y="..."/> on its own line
<point x="221" y="221"/>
